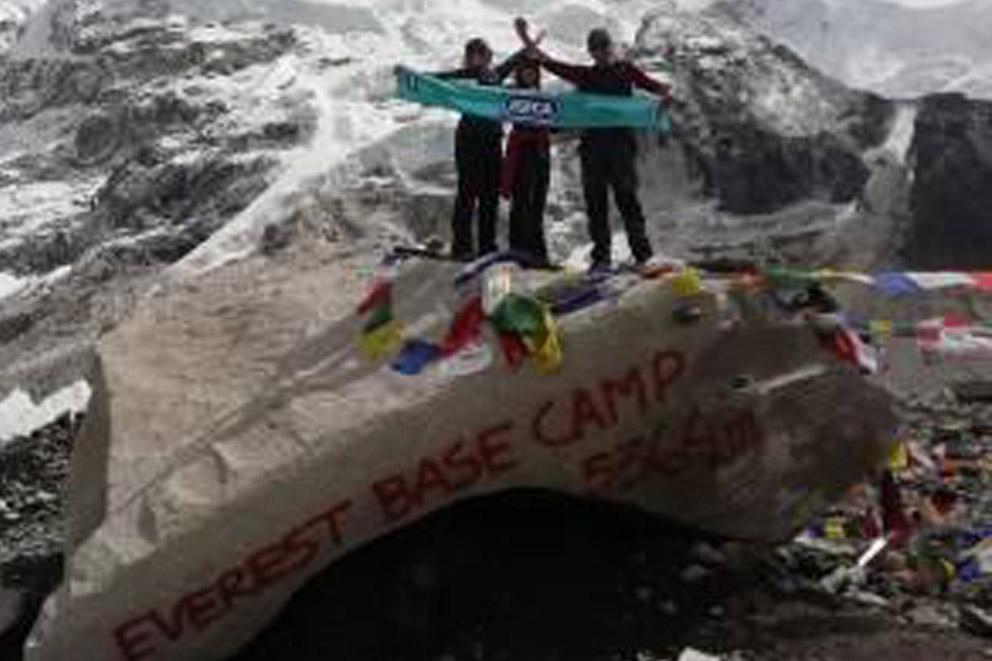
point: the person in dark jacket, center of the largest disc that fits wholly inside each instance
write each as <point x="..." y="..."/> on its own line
<point x="608" y="155"/>
<point x="526" y="176"/>
<point x="478" y="157"/>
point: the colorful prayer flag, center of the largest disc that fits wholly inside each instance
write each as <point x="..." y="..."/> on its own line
<point x="545" y="345"/>
<point x="415" y="357"/>
<point x="519" y="314"/>
<point x="896" y="285"/>
<point x="380" y="295"/>
<point x="881" y="331"/>
<point x="498" y="284"/>
<point x="688" y="283"/>
<point x="514" y="350"/>
<point x="899" y="459"/>
<point x="385" y="340"/>
<point x="381" y="315"/>
<point x="465" y="328"/>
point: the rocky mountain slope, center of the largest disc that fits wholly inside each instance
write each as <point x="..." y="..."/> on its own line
<point x="13" y="15"/>
<point x="890" y="48"/>
<point x="150" y="139"/>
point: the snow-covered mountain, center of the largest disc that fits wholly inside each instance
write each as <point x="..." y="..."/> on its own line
<point x="136" y="134"/>
<point x="892" y="48"/>
<point x="143" y="140"/>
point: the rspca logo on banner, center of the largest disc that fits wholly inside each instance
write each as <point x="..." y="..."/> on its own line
<point x="533" y="110"/>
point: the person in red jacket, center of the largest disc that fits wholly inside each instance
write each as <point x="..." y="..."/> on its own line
<point x="526" y="176"/>
<point x="608" y="154"/>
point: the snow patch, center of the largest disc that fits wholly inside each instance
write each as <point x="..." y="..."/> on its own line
<point x="27" y="208"/>
<point x="11" y="285"/>
<point x="13" y="14"/>
<point x="900" y="139"/>
<point x="20" y="415"/>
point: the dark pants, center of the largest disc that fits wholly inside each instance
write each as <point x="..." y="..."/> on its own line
<point x="610" y="163"/>
<point x="478" y="156"/>
<point x="530" y="197"/>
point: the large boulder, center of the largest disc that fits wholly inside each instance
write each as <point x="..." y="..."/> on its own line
<point x="237" y="443"/>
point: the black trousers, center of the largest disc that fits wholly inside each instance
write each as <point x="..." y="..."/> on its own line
<point x="610" y="163"/>
<point x="530" y="197"/>
<point x="478" y="157"/>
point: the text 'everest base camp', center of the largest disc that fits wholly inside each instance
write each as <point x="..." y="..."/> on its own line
<point x="485" y="330"/>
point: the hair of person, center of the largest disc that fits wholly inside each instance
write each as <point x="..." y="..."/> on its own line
<point x="599" y="38"/>
<point x="477" y="46"/>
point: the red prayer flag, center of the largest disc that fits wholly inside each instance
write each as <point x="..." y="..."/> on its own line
<point x="465" y="328"/>
<point x="514" y="350"/>
<point x="381" y="294"/>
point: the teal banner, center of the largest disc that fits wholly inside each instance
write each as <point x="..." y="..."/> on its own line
<point x="568" y="110"/>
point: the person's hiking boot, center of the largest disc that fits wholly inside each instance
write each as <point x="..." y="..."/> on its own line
<point x="486" y="250"/>
<point x="658" y="265"/>
<point x="600" y="268"/>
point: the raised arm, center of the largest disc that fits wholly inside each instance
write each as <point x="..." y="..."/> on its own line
<point x="509" y="65"/>
<point x="576" y="74"/>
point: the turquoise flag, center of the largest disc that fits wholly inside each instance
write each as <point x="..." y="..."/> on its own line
<point x="569" y="110"/>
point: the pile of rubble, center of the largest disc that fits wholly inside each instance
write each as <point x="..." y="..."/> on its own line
<point x="33" y="471"/>
<point x="918" y="542"/>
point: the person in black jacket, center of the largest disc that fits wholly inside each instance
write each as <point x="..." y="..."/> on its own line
<point x="478" y="157"/>
<point x="526" y="176"/>
<point x="608" y="155"/>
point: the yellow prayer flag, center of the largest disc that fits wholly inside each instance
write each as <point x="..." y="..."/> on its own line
<point x="899" y="459"/>
<point x="383" y="341"/>
<point x="688" y="283"/>
<point x="881" y="331"/>
<point x="833" y="528"/>
<point x="545" y="346"/>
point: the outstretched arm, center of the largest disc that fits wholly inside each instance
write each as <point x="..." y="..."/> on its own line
<point x="573" y="73"/>
<point x="454" y="74"/>
<point x="509" y="65"/>
<point x="645" y="82"/>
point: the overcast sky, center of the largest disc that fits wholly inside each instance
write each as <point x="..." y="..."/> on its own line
<point x="922" y="3"/>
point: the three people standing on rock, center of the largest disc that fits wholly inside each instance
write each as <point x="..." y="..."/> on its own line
<point x="608" y="155"/>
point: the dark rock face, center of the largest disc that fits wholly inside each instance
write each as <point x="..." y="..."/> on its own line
<point x="762" y="128"/>
<point x="952" y="192"/>
<point x="759" y="172"/>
